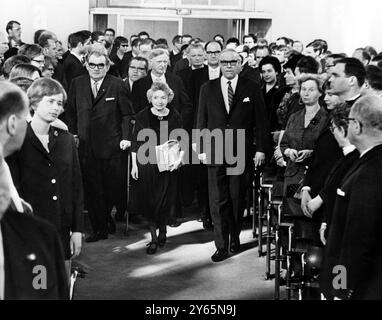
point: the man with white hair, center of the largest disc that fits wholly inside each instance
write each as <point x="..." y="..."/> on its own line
<point x="357" y="220"/>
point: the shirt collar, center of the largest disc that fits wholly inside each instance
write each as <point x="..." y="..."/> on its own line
<point x="348" y="149"/>
<point x="354" y="98"/>
<point x="162" y="78"/>
<point x="79" y="57"/>
<point x="366" y="151"/>
<point x="224" y="80"/>
<point x="99" y="82"/>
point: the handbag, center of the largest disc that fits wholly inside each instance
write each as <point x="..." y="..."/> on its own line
<point x="167" y="154"/>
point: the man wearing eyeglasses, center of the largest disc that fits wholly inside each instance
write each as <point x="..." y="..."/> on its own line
<point x="98" y="112"/>
<point x="229" y="104"/>
<point x="356" y="218"/>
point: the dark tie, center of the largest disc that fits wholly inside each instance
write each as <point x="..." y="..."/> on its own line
<point x="230" y="94"/>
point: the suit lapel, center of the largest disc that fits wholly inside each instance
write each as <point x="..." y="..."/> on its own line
<point x="219" y="94"/>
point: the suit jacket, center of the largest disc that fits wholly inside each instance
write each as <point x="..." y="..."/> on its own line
<point x="30" y="242"/>
<point x="72" y="68"/>
<point x="181" y="101"/>
<point x="174" y="58"/>
<point x="100" y="123"/>
<point x="355" y="235"/>
<point x="248" y="112"/>
<point x="335" y="177"/>
<point x="50" y="182"/>
<point x="193" y="80"/>
<point x="251" y="74"/>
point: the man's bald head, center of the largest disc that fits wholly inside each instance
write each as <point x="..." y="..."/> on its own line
<point x="368" y="110"/>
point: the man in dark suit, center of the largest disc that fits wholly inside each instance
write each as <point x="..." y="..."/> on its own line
<point x="176" y="54"/>
<point x="354" y="242"/>
<point x="74" y="63"/>
<point x="98" y="112"/>
<point x="31" y="255"/>
<point x="234" y="107"/>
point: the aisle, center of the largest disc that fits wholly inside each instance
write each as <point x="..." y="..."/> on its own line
<point x="119" y="268"/>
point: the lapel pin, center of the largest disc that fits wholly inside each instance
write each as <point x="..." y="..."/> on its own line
<point x="56" y="133"/>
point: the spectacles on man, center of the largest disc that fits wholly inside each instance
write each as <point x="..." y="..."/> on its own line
<point x="232" y="63"/>
<point x="99" y="66"/>
<point x="124" y="45"/>
<point x="137" y="68"/>
<point x="355" y="120"/>
<point x="213" y="52"/>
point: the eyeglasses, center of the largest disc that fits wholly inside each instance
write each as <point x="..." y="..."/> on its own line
<point x="225" y="63"/>
<point x="99" y="66"/>
<point x="355" y="120"/>
<point x="213" y="52"/>
<point x="124" y="45"/>
<point x="137" y="68"/>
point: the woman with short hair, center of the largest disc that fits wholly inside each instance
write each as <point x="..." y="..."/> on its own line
<point x="158" y="188"/>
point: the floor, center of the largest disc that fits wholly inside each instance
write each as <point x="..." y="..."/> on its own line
<point x="119" y="268"/>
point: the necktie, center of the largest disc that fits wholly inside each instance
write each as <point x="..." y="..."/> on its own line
<point x="95" y="89"/>
<point x="230" y="94"/>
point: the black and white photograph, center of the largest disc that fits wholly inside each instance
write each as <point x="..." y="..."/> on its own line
<point x="191" y="155"/>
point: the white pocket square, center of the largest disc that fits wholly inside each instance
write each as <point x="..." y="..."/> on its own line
<point x="341" y="193"/>
<point x="110" y="99"/>
<point x="246" y="100"/>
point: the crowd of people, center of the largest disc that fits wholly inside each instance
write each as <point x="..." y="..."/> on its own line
<point x="72" y="123"/>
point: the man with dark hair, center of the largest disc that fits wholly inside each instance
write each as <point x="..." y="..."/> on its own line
<point x="74" y="63"/>
<point x="11" y="62"/>
<point x="249" y="40"/>
<point x="37" y="35"/>
<point x="143" y="35"/>
<point x="232" y="43"/>
<point x="128" y="56"/>
<point x="331" y="61"/>
<point x="13" y="30"/>
<point x="219" y="38"/>
<point x="98" y="37"/>
<point x="307" y="64"/>
<point x="347" y="79"/>
<point x="27" y="243"/>
<point x="109" y="37"/>
<point x="176" y="52"/>
<point x="161" y="43"/>
<point x="373" y="81"/>
<point x="186" y="39"/>
<point x="362" y="55"/>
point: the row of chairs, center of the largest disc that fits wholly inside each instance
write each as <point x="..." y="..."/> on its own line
<point x="284" y="250"/>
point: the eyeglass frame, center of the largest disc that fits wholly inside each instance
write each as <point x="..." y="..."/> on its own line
<point x="231" y="63"/>
<point x="213" y="52"/>
<point x="347" y="119"/>
<point x="99" y="66"/>
<point x="137" y="68"/>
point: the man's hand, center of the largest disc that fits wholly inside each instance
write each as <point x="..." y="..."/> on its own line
<point x="124" y="145"/>
<point x="203" y="158"/>
<point x="322" y="233"/>
<point x="305" y="198"/>
<point x="259" y="159"/>
<point x="134" y="172"/>
<point x="314" y="204"/>
<point x="76" y="244"/>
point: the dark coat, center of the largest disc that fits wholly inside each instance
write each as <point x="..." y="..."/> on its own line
<point x="100" y="123"/>
<point x="355" y="235"/>
<point x="30" y="242"/>
<point x="72" y="68"/>
<point x="50" y="182"/>
<point x="181" y="101"/>
<point x="248" y="112"/>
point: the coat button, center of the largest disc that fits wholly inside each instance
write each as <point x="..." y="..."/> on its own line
<point x="54" y="181"/>
<point x="55" y="198"/>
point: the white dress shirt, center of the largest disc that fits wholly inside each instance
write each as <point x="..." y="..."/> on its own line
<point x="224" y="86"/>
<point x="213" y="73"/>
<point x="348" y="149"/>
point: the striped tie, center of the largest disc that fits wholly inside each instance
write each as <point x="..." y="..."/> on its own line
<point x="230" y="94"/>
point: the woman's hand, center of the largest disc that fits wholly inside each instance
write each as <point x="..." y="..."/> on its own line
<point x="134" y="172"/>
<point x="75" y="244"/>
<point x="303" y="155"/>
<point x="292" y="154"/>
